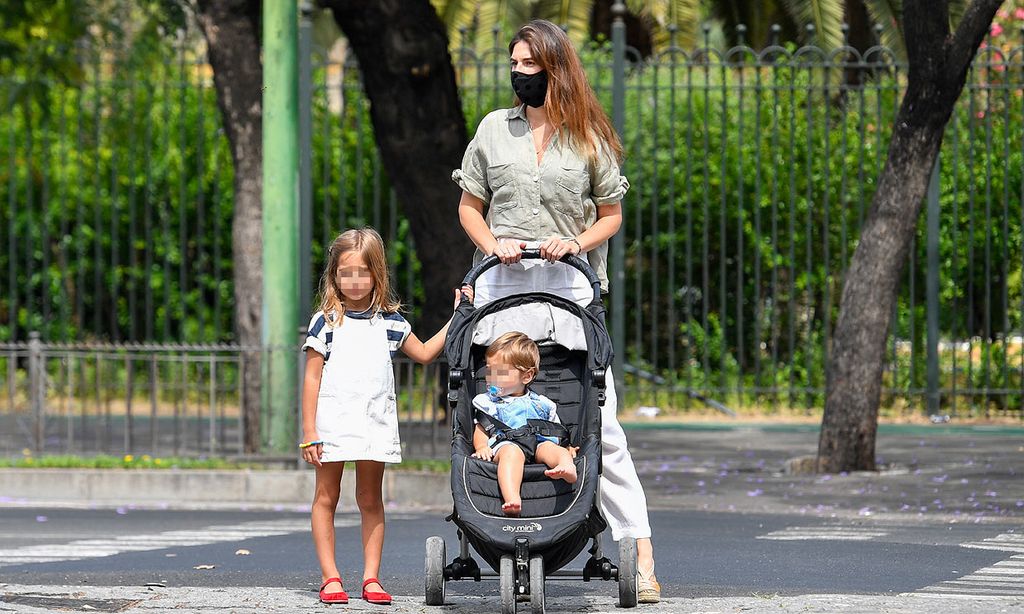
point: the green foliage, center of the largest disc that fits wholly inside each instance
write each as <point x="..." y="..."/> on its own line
<point x="128" y="461"/>
<point x="749" y="187"/>
<point x="749" y="184"/>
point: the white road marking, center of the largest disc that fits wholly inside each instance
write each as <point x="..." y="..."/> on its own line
<point x="830" y="533"/>
<point x="100" y="547"/>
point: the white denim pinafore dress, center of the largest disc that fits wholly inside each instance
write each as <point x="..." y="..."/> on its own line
<point x="357" y="413"/>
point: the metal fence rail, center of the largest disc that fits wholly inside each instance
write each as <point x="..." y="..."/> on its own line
<point x="752" y="170"/>
<point x="163" y="400"/>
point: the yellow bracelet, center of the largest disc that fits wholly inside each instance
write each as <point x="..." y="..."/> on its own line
<point x="303" y="446"/>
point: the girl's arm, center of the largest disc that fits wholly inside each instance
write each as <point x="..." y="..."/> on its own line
<point x="424" y="353"/>
<point x="310" y="391"/>
<point x="471" y="216"/>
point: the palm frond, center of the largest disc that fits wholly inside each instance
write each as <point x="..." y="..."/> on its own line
<point x="889" y="15"/>
<point x="574" y="15"/>
<point x="685" y="15"/>
<point x="491" y="14"/>
<point x="825" y="15"/>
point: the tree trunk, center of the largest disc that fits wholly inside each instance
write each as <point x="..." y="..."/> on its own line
<point x="420" y="130"/>
<point x="232" y="31"/>
<point x="938" y="69"/>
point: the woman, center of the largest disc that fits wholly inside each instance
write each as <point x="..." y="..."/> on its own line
<point x="546" y="173"/>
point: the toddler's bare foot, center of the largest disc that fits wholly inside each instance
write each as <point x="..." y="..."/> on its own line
<point x="512" y="508"/>
<point x="562" y="472"/>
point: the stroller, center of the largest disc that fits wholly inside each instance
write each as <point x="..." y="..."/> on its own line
<point x="557" y="519"/>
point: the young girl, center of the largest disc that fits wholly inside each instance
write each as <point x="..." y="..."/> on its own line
<point x="348" y="396"/>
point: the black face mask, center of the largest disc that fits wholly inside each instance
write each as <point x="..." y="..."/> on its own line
<point x="531" y="89"/>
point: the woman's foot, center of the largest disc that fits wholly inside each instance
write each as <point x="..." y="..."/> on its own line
<point x="648" y="590"/>
<point x="512" y="508"/>
<point x="331" y="591"/>
<point x="565" y="472"/>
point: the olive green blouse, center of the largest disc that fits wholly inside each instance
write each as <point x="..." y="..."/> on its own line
<point x="532" y="202"/>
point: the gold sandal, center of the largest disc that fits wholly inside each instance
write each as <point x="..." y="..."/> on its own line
<point x="647" y="588"/>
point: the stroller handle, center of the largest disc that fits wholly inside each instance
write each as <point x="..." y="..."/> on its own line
<point x="533" y="254"/>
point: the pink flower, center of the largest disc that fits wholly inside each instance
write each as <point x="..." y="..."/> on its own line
<point x="996" y="29"/>
<point x="1002" y="13"/>
<point x="980" y="115"/>
<point x="1019" y="14"/>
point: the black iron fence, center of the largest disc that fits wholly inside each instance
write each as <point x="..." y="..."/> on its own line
<point x="162" y="400"/>
<point x="752" y="171"/>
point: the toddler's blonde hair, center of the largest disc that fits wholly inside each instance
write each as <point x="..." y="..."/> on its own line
<point x="516" y="349"/>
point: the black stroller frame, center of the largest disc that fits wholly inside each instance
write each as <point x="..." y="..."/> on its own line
<point x="558" y="519"/>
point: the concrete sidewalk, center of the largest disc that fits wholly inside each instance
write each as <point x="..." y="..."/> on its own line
<point x="952" y="474"/>
<point x="153" y="600"/>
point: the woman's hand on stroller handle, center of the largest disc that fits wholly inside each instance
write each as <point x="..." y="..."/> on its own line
<point x="509" y="251"/>
<point x="555" y="248"/>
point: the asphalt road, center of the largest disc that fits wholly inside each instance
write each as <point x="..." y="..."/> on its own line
<point x="699" y="554"/>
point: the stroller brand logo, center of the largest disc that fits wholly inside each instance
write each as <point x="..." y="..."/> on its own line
<point x="533" y="527"/>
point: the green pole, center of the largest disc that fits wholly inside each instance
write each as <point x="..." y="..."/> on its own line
<point x="617" y="270"/>
<point x="280" y="219"/>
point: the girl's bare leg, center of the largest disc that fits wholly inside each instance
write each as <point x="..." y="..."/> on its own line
<point x="325" y="503"/>
<point x="511" y="461"/>
<point x="558" y="460"/>
<point x="369" y="499"/>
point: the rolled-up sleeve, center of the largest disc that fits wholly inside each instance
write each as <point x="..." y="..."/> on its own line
<point x="607" y="185"/>
<point x="472" y="177"/>
<point x="318" y="335"/>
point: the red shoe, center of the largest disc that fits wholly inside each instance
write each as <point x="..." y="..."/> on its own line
<point x="375" y="597"/>
<point x="339" y="597"/>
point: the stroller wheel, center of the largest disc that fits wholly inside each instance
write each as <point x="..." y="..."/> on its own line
<point x="434" y="571"/>
<point x="627" y="572"/>
<point x="507" y="578"/>
<point x="537" y="585"/>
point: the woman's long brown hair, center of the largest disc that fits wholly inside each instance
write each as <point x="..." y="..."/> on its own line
<point x="368" y="244"/>
<point x="570" y="101"/>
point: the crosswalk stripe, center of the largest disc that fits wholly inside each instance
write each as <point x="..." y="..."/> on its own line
<point x="1009" y="542"/>
<point x="1001" y="579"/>
<point x="101" y="547"/>
<point x="825" y="533"/>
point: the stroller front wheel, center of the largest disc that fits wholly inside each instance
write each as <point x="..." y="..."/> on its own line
<point x="434" y="570"/>
<point x="537" y="584"/>
<point x="507" y="588"/>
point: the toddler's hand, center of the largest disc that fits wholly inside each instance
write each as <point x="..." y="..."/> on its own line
<point x="484" y="453"/>
<point x="573" y="450"/>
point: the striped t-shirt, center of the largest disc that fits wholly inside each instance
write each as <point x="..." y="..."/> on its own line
<point x="320" y="334"/>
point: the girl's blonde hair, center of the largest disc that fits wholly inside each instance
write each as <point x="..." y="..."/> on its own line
<point x="570" y="101"/>
<point x="515" y="349"/>
<point x="368" y="244"/>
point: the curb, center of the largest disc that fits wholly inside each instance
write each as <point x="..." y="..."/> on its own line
<point x="883" y="429"/>
<point x="200" y="487"/>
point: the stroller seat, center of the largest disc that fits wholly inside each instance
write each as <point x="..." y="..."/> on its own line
<point x="559" y="379"/>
